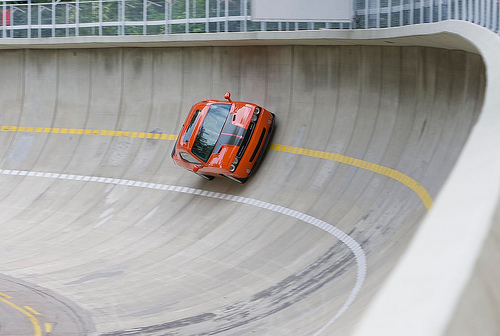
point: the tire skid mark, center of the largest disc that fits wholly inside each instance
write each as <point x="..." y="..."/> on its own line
<point x="354" y="246"/>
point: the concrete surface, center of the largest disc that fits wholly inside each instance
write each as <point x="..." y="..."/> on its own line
<point x="446" y="282"/>
<point x="128" y="243"/>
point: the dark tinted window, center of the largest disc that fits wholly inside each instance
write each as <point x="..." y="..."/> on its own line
<point x="189" y="158"/>
<point x="190" y="128"/>
<point x="210" y="130"/>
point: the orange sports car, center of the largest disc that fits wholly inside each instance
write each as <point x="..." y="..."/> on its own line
<point x="223" y="138"/>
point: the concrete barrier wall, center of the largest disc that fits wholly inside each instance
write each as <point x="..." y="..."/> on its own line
<point x="444" y="283"/>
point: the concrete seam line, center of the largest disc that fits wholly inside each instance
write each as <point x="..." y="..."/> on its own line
<point x="353" y="245"/>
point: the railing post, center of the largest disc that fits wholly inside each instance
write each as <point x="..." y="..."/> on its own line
<point x="122" y="13"/>
<point x="53" y="18"/>
<point x="77" y="18"/>
<point x="488" y="14"/>
<point x="144" y="17"/>
<point x="476" y="12"/>
<point x="100" y="17"/>
<point x="431" y="11"/>
<point x="496" y="8"/>
<point x="401" y="13"/>
<point x="218" y="16"/>
<point x="187" y="16"/>
<point x="245" y="6"/>
<point x="29" y="18"/>
<point x="167" y="16"/>
<point x="66" y="20"/>
<point x="482" y="14"/>
<point x="39" y="20"/>
<point x="226" y="15"/>
<point x="389" y="14"/>
<point x="367" y="12"/>
<point x="469" y="18"/>
<point x="422" y="10"/>
<point x="207" y="16"/>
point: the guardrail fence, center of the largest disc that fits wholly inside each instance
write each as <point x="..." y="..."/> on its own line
<point x="394" y="13"/>
<point x="30" y="19"/>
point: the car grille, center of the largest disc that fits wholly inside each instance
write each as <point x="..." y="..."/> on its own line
<point x="262" y="135"/>
<point x="246" y="140"/>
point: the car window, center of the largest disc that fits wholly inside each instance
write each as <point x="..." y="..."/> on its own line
<point x="189" y="158"/>
<point x="210" y="131"/>
<point x="191" y="125"/>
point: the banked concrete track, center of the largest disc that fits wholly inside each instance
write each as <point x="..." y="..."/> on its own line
<point x="102" y="234"/>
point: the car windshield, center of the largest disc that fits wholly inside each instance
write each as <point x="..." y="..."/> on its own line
<point x="210" y="131"/>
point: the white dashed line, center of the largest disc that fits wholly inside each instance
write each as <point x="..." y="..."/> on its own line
<point x="355" y="248"/>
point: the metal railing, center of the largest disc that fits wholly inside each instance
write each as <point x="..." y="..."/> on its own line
<point x="135" y="17"/>
<point x="153" y="17"/>
<point x="395" y="13"/>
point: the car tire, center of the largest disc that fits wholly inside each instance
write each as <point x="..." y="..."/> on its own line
<point x="239" y="180"/>
<point x="242" y="181"/>
<point x="207" y="177"/>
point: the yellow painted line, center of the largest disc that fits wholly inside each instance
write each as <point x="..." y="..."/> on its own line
<point x="31" y="310"/>
<point x="385" y="171"/>
<point x="378" y="169"/>
<point x="34" y="321"/>
<point x="5" y="295"/>
<point x="56" y="130"/>
<point x="48" y="327"/>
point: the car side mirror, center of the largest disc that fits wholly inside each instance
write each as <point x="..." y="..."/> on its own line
<point x="196" y="168"/>
<point x="228" y="96"/>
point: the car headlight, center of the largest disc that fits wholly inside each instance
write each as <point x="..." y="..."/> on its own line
<point x="233" y="166"/>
